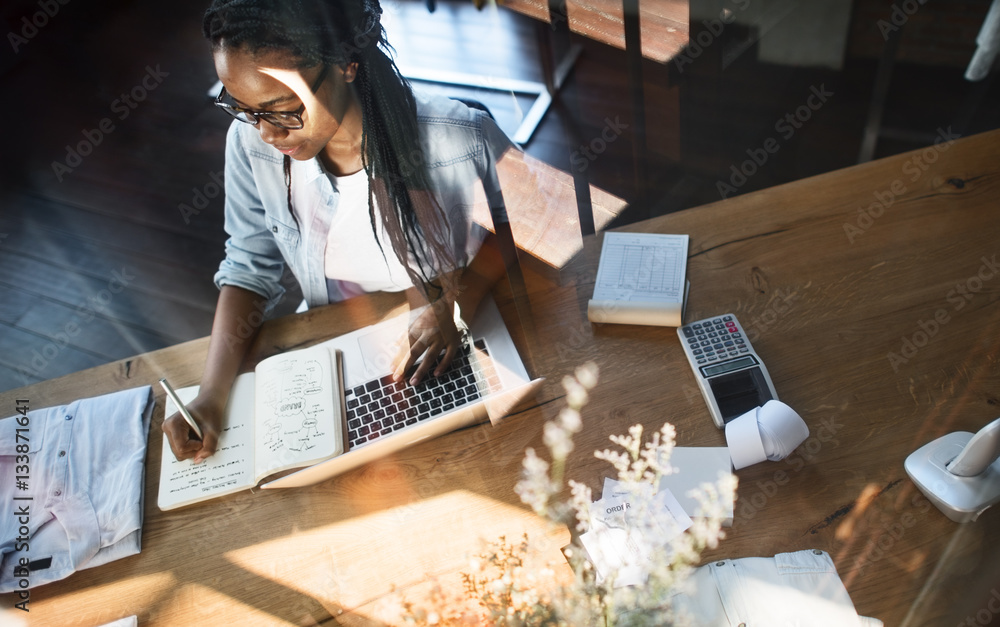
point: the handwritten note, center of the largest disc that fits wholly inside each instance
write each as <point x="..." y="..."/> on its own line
<point x="232" y="464"/>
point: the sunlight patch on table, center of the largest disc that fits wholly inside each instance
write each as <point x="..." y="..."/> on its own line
<point x="353" y="562"/>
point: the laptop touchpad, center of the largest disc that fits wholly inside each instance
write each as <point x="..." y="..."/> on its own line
<point x="379" y="348"/>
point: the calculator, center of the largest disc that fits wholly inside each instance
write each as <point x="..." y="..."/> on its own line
<point x="730" y="374"/>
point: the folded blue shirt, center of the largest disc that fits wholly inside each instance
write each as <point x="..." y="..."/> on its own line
<point x="72" y="494"/>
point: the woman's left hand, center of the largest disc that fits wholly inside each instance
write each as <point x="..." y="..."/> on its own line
<point x="432" y="331"/>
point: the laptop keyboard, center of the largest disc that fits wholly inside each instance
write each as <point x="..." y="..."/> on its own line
<point x="383" y="406"/>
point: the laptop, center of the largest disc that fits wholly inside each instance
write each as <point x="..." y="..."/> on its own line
<point x="485" y="382"/>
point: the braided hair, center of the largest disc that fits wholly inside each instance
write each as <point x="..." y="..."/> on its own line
<point x="339" y="32"/>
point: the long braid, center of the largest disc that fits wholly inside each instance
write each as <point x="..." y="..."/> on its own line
<point x="341" y="32"/>
<point x="286" y="166"/>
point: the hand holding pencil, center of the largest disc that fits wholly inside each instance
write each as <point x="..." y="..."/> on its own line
<point x="181" y="407"/>
<point x="193" y="431"/>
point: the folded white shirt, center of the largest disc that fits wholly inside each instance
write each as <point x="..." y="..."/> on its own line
<point x="800" y="589"/>
<point x="76" y="501"/>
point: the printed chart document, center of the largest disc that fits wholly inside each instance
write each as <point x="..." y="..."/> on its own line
<point x="641" y="280"/>
<point x="288" y="413"/>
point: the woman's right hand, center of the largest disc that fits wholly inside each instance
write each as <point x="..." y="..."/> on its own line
<point x="207" y="411"/>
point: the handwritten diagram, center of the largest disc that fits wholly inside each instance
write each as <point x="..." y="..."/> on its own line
<point x="292" y="398"/>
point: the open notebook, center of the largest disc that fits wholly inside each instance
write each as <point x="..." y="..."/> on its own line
<point x="333" y="407"/>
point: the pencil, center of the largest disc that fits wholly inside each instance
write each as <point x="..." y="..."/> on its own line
<point x="180" y="407"/>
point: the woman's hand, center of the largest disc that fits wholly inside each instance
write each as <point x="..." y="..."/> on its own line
<point x="432" y="331"/>
<point x="207" y="410"/>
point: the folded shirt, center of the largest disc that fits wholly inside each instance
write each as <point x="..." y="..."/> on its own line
<point x="72" y="493"/>
<point x="800" y="589"/>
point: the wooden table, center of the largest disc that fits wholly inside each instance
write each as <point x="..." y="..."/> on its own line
<point x="827" y="305"/>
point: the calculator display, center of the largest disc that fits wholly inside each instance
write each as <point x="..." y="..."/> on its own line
<point x="738" y="392"/>
<point x="736" y="364"/>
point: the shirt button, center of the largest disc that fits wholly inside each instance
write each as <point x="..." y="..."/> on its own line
<point x="274" y="229"/>
<point x="68" y="417"/>
<point x="62" y="453"/>
<point x="817" y="552"/>
<point x="58" y="492"/>
<point x="720" y="563"/>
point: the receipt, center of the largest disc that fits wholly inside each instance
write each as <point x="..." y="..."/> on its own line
<point x="627" y="527"/>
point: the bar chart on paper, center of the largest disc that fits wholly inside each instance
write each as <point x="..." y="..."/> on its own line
<point x="640" y="279"/>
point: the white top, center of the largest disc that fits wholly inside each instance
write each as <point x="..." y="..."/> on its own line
<point x="353" y="258"/>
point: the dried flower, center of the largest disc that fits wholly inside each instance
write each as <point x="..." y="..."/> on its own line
<point x="509" y="593"/>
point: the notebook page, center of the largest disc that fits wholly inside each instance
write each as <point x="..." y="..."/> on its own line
<point x="229" y="470"/>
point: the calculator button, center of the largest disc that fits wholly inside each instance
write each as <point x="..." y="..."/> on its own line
<point x="702" y="361"/>
<point x="712" y="358"/>
<point x="717" y="320"/>
<point x="697" y="351"/>
<point x="743" y="350"/>
<point x="706" y="343"/>
<point x="728" y="343"/>
<point x="727" y="318"/>
<point x="717" y="346"/>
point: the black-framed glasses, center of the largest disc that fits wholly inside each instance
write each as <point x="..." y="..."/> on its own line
<point x="290" y="120"/>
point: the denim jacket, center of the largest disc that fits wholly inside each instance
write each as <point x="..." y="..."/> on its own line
<point x="461" y="147"/>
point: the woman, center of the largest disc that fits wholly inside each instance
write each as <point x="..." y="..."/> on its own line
<point x="335" y="167"/>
